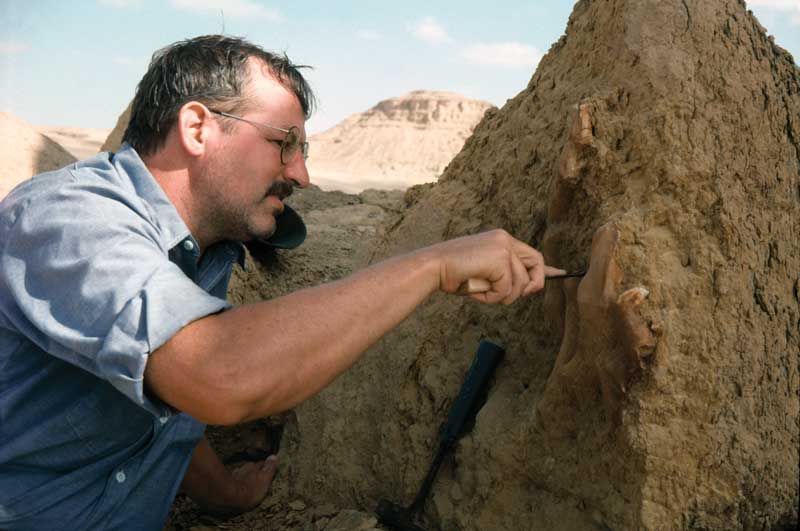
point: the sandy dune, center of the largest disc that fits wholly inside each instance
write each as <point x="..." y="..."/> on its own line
<point x="81" y="142"/>
<point x="24" y="152"/>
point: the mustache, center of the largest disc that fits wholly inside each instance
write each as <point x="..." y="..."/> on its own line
<point x="282" y="189"/>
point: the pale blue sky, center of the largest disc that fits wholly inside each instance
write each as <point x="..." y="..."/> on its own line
<point x="76" y="63"/>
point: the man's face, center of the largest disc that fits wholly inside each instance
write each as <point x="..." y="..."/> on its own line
<point x="244" y="177"/>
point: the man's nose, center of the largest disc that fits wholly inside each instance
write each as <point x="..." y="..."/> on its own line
<point x="297" y="172"/>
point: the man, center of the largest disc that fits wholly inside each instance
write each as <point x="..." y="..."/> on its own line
<point x="116" y="343"/>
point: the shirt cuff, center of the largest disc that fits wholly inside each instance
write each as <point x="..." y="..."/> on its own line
<point x="166" y="303"/>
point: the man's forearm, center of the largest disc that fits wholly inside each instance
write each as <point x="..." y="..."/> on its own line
<point x="267" y="357"/>
<point x="261" y="358"/>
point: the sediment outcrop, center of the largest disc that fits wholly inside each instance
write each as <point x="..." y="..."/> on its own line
<point x="672" y="127"/>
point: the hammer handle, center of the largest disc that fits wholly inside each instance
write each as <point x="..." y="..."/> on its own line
<point x="464" y="407"/>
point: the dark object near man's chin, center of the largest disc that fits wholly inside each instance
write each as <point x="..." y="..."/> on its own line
<point x="290" y="232"/>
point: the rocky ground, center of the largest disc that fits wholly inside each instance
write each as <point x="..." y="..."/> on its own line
<point x="279" y="512"/>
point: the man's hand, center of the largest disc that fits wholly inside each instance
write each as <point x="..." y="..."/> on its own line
<point x="512" y="268"/>
<point x="253" y="480"/>
<point x="222" y="492"/>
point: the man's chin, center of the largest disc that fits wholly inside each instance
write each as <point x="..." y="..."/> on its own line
<point x="263" y="233"/>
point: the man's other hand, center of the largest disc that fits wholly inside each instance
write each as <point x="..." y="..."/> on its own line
<point x="253" y="481"/>
<point x="224" y="492"/>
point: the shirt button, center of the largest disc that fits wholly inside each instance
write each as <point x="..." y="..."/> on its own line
<point x="163" y="420"/>
<point x="120" y="476"/>
<point x="188" y="245"/>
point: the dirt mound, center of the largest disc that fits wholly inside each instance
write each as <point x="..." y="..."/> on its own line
<point x="675" y="126"/>
<point x="397" y="143"/>
<point x="24" y="152"/>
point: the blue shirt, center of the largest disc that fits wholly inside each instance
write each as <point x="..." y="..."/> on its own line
<point x="97" y="270"/>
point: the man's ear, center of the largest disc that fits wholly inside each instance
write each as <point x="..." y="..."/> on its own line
<point x="194" y="127"/>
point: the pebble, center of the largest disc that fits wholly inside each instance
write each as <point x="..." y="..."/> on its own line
<point x="325" y="510"/>
<point x="297" y="505"/>
<point x="349" y="520"/>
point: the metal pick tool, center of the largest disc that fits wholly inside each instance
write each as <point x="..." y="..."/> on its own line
<point x="574" y="274"/>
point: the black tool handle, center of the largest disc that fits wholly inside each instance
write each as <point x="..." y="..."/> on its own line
<point x="463" y="409"/>
<point x="486" y="360"/>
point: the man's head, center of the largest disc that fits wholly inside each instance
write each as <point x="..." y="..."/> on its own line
<point x="220" y="111"/>
<point x="212" y="69"/>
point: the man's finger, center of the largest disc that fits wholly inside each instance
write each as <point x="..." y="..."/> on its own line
<point x="519" y="279"/>
<point x="527" y="254"/>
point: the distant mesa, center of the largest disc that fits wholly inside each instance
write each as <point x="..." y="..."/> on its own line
<point x="397" y="143"/>
<point x="24" y="152"/>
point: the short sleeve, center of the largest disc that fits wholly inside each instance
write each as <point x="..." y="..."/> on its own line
<point x="85" y="275"/>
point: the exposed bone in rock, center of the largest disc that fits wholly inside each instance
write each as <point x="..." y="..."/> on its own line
<point x="572" y="160"/>
<point x="604" y="341"/>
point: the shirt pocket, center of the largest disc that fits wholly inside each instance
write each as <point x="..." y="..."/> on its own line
<point x="107" y="423"/>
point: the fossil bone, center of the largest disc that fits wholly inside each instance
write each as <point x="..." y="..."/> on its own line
<point x="604" y="342"/>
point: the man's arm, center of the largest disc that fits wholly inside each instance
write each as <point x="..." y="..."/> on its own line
<point x="262" y="358"/>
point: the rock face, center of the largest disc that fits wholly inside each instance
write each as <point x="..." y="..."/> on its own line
<point x="662" y="391"/>
<point x="24" y="152"/>
<point x="397" y="143"/>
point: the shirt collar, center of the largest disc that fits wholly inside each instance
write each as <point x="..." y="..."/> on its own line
<point x="128" y="162"/>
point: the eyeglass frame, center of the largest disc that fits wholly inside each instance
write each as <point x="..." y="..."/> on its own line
<point x="303" y="146"/>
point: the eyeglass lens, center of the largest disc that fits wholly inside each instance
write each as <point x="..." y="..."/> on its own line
<point x="290" y="146"/>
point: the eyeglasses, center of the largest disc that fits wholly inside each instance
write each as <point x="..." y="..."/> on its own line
<point x="290" y="144"/>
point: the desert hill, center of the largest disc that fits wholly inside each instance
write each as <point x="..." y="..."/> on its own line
<point x="24" y="152"/>
<point x="81" y="142"/>
<point x="399" y="142"/>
